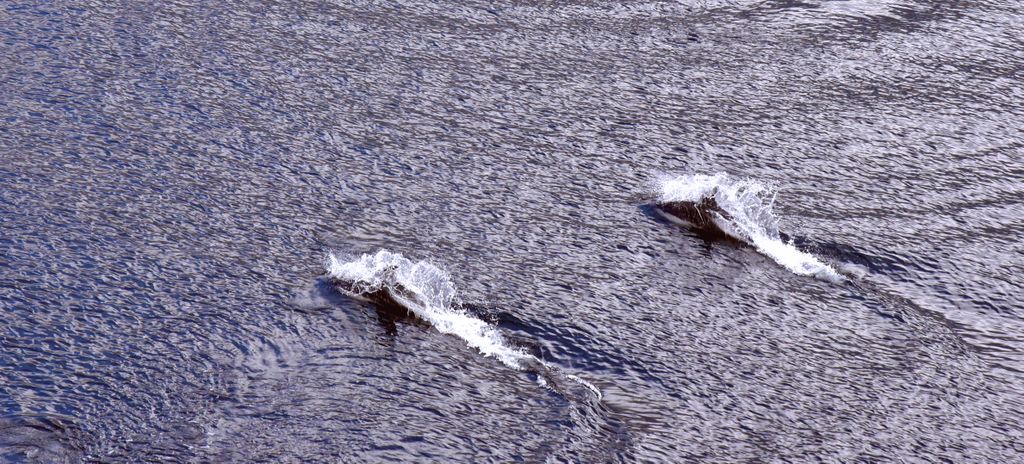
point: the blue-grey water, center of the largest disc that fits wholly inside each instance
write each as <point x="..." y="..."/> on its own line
<point x="175" y="174"/>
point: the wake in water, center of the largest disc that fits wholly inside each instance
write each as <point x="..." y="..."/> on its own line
<point x="426" y="291"/>
<point x="740" y="209"/>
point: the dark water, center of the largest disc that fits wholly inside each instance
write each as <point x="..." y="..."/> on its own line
<point x="173" y="173"/>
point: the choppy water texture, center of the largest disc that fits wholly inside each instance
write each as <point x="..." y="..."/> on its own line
<point x="174" y="173"/>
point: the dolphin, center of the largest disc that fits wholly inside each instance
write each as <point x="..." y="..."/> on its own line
<point x="391" y="302"/>
<point x="704" y="217"/>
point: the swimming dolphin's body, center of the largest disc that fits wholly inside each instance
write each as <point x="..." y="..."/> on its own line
<point x="391" y="302"/>
<point x="705" y="217"/>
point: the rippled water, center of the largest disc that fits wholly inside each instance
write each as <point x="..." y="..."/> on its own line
<point x="173" y="175"/>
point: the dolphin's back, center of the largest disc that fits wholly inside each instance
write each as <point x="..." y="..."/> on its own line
<point x="702" y="216"/>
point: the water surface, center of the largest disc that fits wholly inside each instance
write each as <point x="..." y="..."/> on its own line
<point x="173" y="175"/>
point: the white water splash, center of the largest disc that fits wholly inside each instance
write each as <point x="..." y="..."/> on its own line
<point x="428" y="292"/>
<point x="749" y="218"/>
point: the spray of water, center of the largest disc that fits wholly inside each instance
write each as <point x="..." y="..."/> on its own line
<point x="426" y="291"/>
<point x="746" y="214"/>
<point x="429" y="293"/>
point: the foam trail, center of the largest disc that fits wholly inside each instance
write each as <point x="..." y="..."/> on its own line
<point x="428" y="292"/>
<point x="744" y="212"/>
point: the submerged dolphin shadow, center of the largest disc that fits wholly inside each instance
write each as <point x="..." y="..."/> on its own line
<point x="702" y="218"/>
<point x="710" y="222"/>
<point x="389" y="312"/>
<point x="390" y="303"/>
<point x="575" y="391"/>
